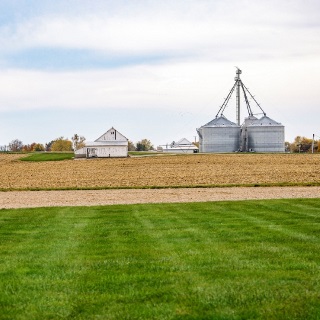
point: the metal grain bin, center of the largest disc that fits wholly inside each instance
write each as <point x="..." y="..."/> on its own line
<point x="219" y="135"/>
<point x="262" y="135"/>
<point x="244" y="143"/>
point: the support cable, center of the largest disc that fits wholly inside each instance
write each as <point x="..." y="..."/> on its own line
<point x="224" y="105"/>
<point x="254" y="100"/>
<point x="246" y="99"/>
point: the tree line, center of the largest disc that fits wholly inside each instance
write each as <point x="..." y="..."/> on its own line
<point x="303" y="145"/>
<point x="64" y="144"/>
<point x="299" y="145"/>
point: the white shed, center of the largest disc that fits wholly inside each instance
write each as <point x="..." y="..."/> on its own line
<point x="182" y="146"/>
<point x="111" y="144"/>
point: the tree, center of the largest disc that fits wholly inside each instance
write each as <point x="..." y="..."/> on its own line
<point x="33" y="147"/>
<point x="287" y="146"/>
<point x="144" y="145"/>
<point x="78" y="142"/>
<point x="61" y="144"/>
<point x="301" y="144"/>
<point x="38" y="147"/>
<point x="27" y="147"/>
<point x="131" y="146"/>
<point x="48" y="145"/>
<point x="16" y="145"/>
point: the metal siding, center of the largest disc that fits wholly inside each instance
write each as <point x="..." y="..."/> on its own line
<point x="266" y="138"/>
<point x="220" y="139"/>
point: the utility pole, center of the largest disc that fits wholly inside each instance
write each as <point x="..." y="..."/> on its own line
<point x="237" y="78"/>
<point x="312" y="146"/>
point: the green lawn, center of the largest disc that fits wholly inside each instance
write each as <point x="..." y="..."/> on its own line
<point x="218" y="260"/>
<point x="49" y="156"/>
<point x="144" y="153"/>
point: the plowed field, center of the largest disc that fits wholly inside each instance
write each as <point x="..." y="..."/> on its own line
<point x="180" y="170"/>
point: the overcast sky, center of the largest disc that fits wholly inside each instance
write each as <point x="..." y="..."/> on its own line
<point x="154" y="69"/>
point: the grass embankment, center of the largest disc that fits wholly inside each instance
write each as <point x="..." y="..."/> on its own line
<point x="48" y="156"/>
<point x="226" y="260"/>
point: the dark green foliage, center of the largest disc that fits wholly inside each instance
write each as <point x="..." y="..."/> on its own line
<point x="221" y="260"/>
<point x="48" y="156"/>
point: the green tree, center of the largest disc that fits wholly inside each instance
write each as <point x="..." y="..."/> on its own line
<point x="78" y="142"/>
<point x="61" y="144"/>
<point x="144" y="145"/>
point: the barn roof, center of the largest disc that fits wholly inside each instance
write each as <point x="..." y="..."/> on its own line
<point x="111" y="135"/>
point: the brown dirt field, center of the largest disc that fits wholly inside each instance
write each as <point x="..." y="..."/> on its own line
<point x="182" y="171"/>
<point x="24" y="199"/>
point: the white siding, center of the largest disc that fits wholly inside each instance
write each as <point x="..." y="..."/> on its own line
<point x="111" y="144"/>
<point x="114" y="151"/>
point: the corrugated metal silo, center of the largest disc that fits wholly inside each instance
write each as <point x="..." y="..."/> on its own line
<point x="244" y="142"/>
<point x="258" y="135"/>
<point x="219" y="135"/>
<point x="262" y="135"/>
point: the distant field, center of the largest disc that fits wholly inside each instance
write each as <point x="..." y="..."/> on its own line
<point x="226" y="260"/>
<point x="165" y="171"/>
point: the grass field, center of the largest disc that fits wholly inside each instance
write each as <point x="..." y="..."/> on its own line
<point x="48" y="156"/>
<point x="222" y="260"/>
<point x="198" y="170"/>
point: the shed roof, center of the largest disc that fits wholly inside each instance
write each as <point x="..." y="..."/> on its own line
<point x="183" y="142"/>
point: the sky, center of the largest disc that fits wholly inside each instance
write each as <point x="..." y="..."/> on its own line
<point x="154" y="69"/>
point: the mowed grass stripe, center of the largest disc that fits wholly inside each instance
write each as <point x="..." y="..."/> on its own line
<point x="218" y="260"/>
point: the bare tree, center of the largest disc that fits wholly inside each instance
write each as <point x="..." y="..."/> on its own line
<point x="131" y="146"/>
<point x="78" y="142"/>
<point x="15" y="145"/>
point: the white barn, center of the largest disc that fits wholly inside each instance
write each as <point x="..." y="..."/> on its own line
<point x="111" y="144"/>
<point x="182" y="146"/>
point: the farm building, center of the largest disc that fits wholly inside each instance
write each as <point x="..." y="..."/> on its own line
<point x="182" y="146"/>
<point x="111" y="144"/>
<point x="254" y="135"/>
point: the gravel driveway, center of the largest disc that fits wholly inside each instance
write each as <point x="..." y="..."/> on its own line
<point x="24" y="199"/>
